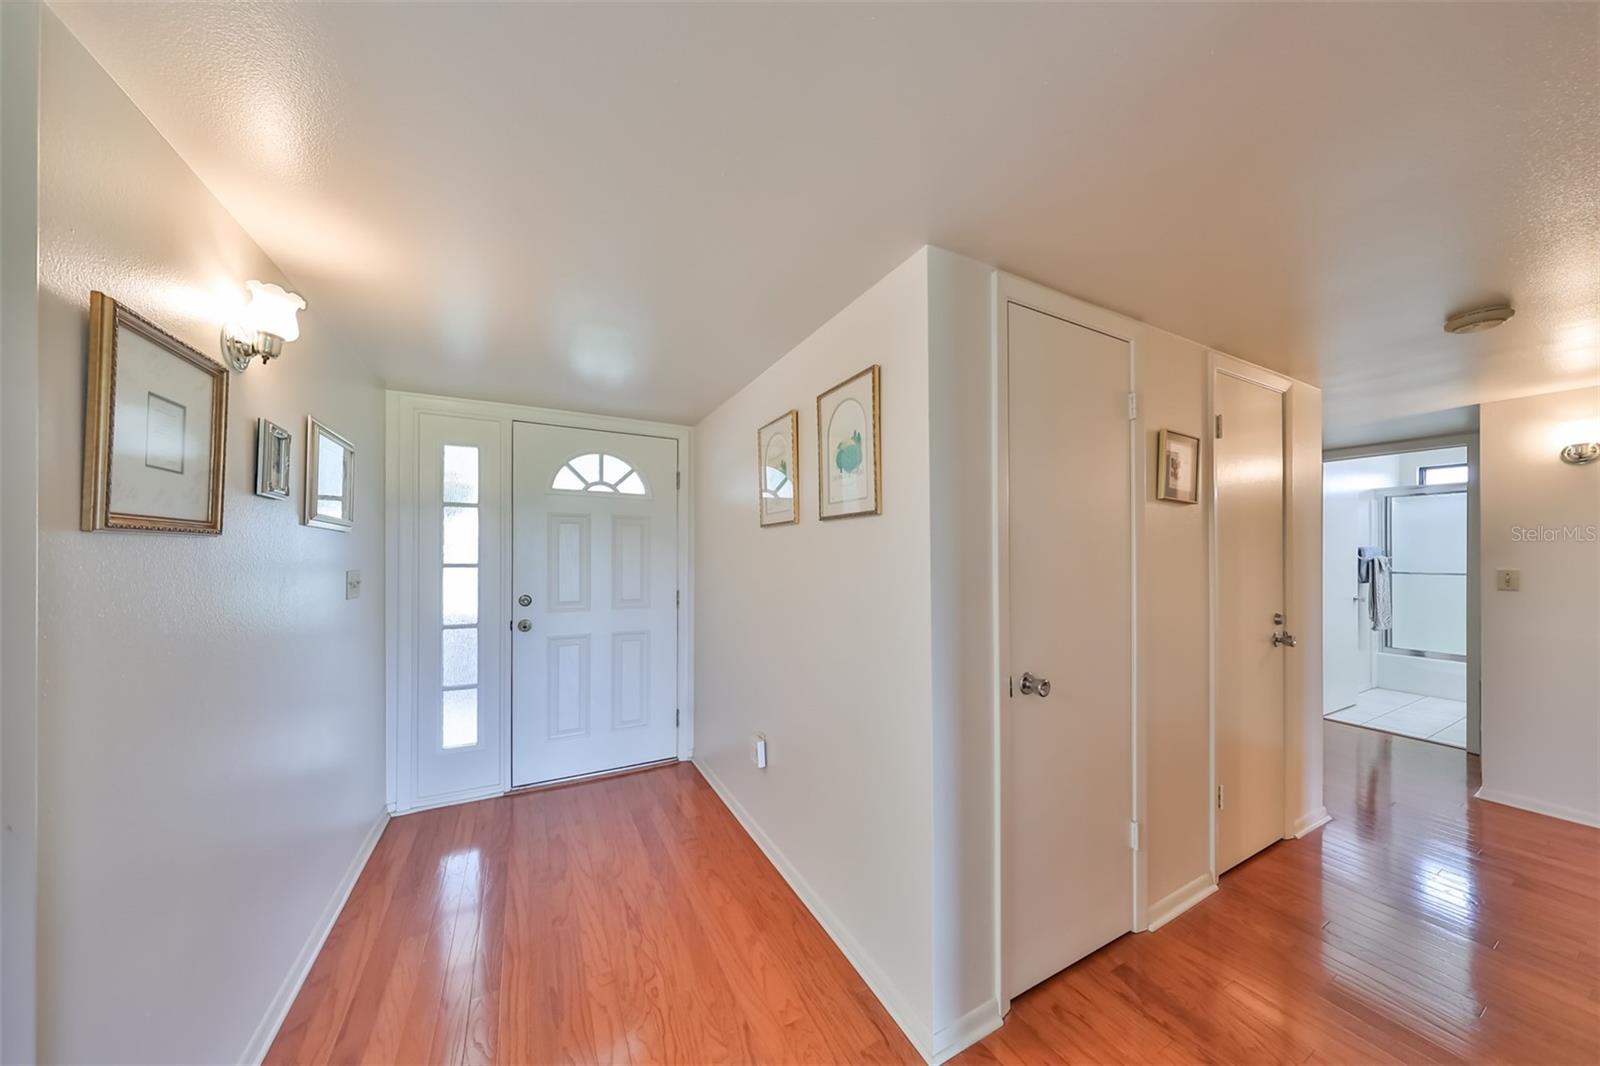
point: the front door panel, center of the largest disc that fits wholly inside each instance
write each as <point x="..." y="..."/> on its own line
<point x="594" y="593"/>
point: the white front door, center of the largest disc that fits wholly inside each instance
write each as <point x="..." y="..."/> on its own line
<point x="594" y="601"/>
<point x="1068" y="755"/>
<point x="1250" y="676"/>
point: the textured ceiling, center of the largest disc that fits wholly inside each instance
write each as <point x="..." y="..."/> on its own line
<point x="637" y="209"/>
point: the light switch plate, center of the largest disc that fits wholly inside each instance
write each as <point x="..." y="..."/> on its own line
<point x="352" y="584"/>
<point x="1508" y="580"/>
<point x="758" y="750"/>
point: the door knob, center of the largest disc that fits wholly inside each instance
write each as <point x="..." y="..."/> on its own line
<point x="1280" y="640"/>
<point x="524" y="626"/>
<point x="1031" y="684"/>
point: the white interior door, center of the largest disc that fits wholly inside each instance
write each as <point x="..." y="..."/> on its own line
<point x="594" y="601"/>
<point x="1068" y="755"/>
<point x="1250" y="676"/>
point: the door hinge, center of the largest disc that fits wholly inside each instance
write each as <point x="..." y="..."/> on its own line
<point x="1219" y="797"/>
<point x="1133" y="835"/>
<point x="1133" y="406"/>
<point x="678" y="598"/>
<point x="1010" y="688"/>
<point x="1218" y="433"/>
<point x="680" y="479"/>
<point x="677" y="716"/>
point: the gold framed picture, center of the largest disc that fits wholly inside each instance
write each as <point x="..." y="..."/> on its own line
<point x="155" y="428"/>
<point x="849" y="439"/>
<point x="1178" y="467"/>
<point x="778" y="470"/>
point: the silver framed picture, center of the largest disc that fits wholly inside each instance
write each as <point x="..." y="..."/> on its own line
<point x="330" y="479"/>
<point x="273" y="444"/>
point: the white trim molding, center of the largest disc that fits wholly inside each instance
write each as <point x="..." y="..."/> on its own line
<point x="1181" y="899"/>
<point x="1310" y="822"/>
<point x="261" y="1040"/>
<point x="951" y="1040"/>
<point x="1535" y="806"/>
<point x="403" y="411"/>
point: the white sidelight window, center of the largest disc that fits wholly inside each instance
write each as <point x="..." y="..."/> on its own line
<point x="456" y="742"/>
<point x="458" y="721"/>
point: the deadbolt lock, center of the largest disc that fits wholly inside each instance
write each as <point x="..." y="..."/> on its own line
<point x="524" y="600"/>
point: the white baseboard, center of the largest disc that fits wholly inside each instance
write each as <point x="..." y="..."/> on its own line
<point x="921" y="1036"/>
<point x="267" y="1031"/>
<point x="1528" y="803"/>
<point x="965" y="1031"/>
<point x="1311" y="822"/>
<point x="1175" y="903"/>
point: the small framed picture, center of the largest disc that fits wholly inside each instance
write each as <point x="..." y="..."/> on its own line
<point x="155" y="427"/>
<point x="777" y="469"/>
<point x="330" y="478"/>
<point x="849" y="468"/>
<point x="272" y="460"/>
<point x="1178" y="462"/>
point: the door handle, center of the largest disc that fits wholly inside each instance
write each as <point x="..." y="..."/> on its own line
<point x="1280" y="640"/>
<point x="1031" y="684"/>
<point x="524" y="626"/>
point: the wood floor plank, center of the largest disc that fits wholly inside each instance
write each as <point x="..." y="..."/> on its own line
<point x="632" y="920"/>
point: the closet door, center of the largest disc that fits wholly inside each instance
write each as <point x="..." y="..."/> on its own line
<point x="1250" y="678"/>
<point x="1067" y="728"/>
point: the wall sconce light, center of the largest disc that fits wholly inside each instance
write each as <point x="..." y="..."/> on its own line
<point x="262" y="327"/>
<point x="1580" y="454"/>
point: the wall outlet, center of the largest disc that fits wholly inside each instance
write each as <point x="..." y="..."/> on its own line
<point x="1508" y="580"/>
<point x="352" y="584"/>
<point x="758" y="750"/>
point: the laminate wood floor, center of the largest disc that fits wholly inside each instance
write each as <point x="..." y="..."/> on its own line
<point x="632" y="920"/>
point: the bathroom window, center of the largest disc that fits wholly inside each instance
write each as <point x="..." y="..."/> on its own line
<point x="1454" y="474"/>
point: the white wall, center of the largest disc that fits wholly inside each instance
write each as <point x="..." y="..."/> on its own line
<point x="965" y="681"/>
<point x="818" y="634"/>
<point x="1541" y="673"/>
<point x="1174" y="616"/>
<point x="19" y="521"/>
<point x="211" y="708"/>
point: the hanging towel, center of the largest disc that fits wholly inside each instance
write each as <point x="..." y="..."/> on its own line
<point x="1364" y="557"/>
<point x="1379" y="602"/>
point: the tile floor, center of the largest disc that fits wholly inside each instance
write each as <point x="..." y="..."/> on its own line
<point x="1409" y="715"/>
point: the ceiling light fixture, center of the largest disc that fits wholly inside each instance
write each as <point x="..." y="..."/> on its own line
<point x="261" y="329"/>
<point x="1479" y="318"/>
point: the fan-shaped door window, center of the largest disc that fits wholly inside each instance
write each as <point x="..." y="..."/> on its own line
<point x="599" y="472"/>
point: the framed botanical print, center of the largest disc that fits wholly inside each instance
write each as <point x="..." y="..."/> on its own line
<point x="1178" y="459"/>
<point x="778" y="468"/>
<point x="849" y="467"/>
<point x="155" y="428"/>
<point x="330" y="478"/>
<point x="272" y="460"/>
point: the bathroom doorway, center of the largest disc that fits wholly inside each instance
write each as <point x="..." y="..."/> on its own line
<point x="1400" y="595"/>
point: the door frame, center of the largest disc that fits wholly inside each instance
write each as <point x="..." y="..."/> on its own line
<point x="1217" y="365"/>
<point x="1009" y="289"/>
<point x="402" y="410"/>
<point x="1469" y="441"/>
